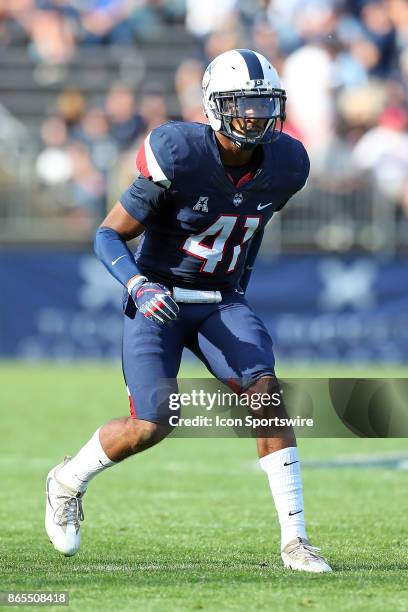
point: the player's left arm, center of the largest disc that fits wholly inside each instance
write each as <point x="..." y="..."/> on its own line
<point x="300" y="171"/>
<point x="299" y="164"/>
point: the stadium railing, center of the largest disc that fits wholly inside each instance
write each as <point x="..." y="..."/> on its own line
<point x="317" y="218"/>
<point x="314" y="219"/>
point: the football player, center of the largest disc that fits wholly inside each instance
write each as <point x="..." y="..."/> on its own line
<point x="202" y="200"/>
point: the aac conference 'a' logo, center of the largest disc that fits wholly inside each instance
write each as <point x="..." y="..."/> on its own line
<point x="202" y="204"/>
<point x="347" y="284"/>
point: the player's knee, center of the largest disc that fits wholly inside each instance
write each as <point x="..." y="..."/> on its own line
<point x="266" y="404"/>
<point x="264" y="396"/>
<point x="143" y="434"/>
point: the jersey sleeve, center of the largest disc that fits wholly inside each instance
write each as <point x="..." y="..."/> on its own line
<point x="143" y="199"/>
<point x="300" y="165"/>
<point x="155" y="159"/>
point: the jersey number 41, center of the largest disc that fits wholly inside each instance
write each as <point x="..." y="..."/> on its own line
<point x="211" y="245"/>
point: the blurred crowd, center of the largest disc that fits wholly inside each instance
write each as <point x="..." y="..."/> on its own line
<point x="88" y="149"/>
<point x="344" y="64"/>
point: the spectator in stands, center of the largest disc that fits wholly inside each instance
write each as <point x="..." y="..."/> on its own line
<point x="344" y="65"/>
<point x="378" y="29"/>
<point x="204" y="18"/>
<point x="281" y="15"/>
<point x="52" y="36"/>
<point x="360" y="107"/>
<point x="87" y="186"/>
<point x="308" y="80"/>
<point x="53" y="164"/>
<point x="383" y="152"/>
<point x="398" y="14"/>
<point x="188" y="88"/>
<point x="265" y="39"/>
<point x="149" y="17"/>
<point x="104" y="22"/>
<point x="334" y="169"/>
<point x="14" y="17"/>
<point x="403" y="66"/>
<point x="126" y="123"/>
<point x="71" y="105"/>
<point x="223" y="40"/>
<point x="153" y="110"/>
<point x="93" y="130"/>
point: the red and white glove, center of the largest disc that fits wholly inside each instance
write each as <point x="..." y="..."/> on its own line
<point x="154" y="301"/>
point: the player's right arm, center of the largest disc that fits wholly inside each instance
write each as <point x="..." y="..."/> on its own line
<point x="137" y="206"/>
<point x="141" y="199"/>
<point x="110" y="244"/>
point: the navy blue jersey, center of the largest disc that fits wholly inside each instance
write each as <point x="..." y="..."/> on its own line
<point x="199" y="225"/>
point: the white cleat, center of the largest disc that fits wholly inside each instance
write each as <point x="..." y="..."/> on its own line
<point x="298" y="554"/>
<point x="63" y="513"/>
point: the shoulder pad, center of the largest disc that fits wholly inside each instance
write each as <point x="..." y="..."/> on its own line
<point x="295" y="158"/>
<point x="155" y="159"/>
<point x="173" y="153"/>
<point x="300" y="157"/>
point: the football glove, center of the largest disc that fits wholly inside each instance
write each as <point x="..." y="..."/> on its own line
<point x="155" y="302"/>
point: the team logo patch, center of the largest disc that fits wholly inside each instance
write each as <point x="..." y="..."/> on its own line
<point x="202" y="204"/>
<point x="238" y="199"/>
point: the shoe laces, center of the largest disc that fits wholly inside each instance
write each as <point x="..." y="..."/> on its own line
<point x="311" y="553"/>
<point x="69" y="510"/>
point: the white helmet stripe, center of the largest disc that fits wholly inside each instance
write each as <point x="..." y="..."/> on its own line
<point x="155" y="171"/>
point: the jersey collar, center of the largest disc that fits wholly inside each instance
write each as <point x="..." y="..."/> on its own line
<point x="245" y="180"/>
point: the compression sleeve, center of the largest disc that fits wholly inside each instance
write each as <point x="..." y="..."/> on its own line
<point x="113" y="252"/>
<point x="142" y="201"/>
<point x="250" y="259"/>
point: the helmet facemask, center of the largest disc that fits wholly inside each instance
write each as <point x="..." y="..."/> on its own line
<point x="257" y="105"/>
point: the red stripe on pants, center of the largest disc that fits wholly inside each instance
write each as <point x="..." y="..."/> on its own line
<point x="132" y="408"/>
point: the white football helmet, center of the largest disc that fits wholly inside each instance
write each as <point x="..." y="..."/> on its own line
<point x="244" y="84"/>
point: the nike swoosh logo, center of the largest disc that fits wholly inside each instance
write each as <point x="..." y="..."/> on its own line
<point x="291" y="463"/>
<point x="297" y="512"/>
<point x="262" y="206"/>
<point x="115" y="261"/>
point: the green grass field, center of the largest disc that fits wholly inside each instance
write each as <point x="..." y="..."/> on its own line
<point x="190" y="524"/>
